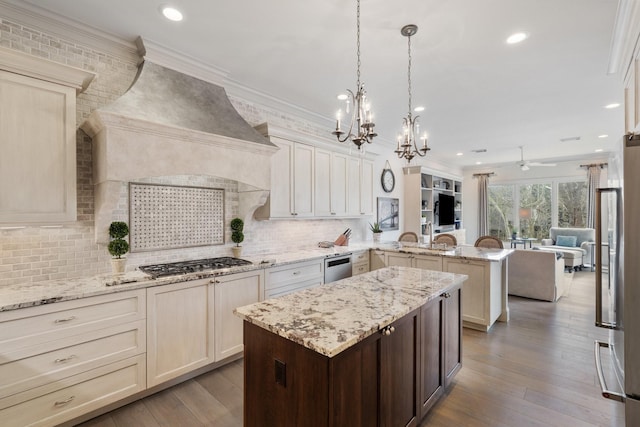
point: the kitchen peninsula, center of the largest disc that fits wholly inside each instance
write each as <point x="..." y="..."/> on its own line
<point x="376" y="349"/>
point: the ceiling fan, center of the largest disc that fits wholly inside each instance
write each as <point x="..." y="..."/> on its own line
<point x="524" y="164"/>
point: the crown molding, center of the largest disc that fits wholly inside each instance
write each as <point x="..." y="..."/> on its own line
<point x="43" y="69"/>
<point x="68" y="29"/>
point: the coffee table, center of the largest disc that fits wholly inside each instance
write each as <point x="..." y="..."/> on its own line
<point x="523" y="240"/>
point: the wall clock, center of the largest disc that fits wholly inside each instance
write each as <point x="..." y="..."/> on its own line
<point x="388" y="179"/>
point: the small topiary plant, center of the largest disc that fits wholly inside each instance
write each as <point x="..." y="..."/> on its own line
<point x="237" y="236"/>
<point x="118" y="230"/>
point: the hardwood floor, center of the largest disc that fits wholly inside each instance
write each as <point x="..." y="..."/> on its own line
<point x="537" y="370"/>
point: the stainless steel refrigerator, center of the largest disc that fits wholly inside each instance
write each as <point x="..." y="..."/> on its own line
<point x="617" y="256"/>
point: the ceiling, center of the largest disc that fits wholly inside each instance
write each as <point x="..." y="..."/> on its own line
<point x="478" y="91"/>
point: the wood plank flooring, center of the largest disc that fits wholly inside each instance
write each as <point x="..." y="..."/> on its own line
<point x="537" y="370"/>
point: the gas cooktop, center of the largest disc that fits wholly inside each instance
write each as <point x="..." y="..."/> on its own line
<point x="194" y="266"/>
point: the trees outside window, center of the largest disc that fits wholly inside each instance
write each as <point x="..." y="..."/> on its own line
<point x="572" y="204"/>
<point x="528" y="208"/>
<point x="534" y="214"/>
<point x="501" y="203"/>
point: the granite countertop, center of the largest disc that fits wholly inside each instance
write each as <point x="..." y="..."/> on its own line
<point x="333" y="317"/>
<point x="27" y="294"/>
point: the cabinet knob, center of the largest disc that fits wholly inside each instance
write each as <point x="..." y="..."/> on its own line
<point x="295" y="273"/>
<point x="388" y="330"/>
<point x="446" y="295"/>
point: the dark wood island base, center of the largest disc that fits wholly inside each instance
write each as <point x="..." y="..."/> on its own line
<point x="391" y="378"/>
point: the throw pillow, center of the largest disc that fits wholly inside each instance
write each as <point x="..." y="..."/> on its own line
<point x="569" y="241"/>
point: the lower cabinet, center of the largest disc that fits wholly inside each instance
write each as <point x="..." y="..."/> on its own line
<point x="360" y="262"/>
<point x="233" y="291"/>
<point x="376" y="259"/>
<point x="425" y="262"/>
<point x="179" y="329"/>
<point x="285" y="279"/>
<point x="391" y="378"/>
<point x="60" y="361"/>
<point x="441" y="349"/>
<point x="482" y="302"/>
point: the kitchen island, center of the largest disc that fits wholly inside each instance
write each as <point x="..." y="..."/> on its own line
<point x="375" y="349"/>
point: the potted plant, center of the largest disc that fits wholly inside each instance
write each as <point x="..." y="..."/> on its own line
<point x="237" y="236"/>
<point x="118" y="230"/>
<point x="376" y="230"/>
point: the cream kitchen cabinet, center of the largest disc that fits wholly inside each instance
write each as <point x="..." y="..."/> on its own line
<point x="285" y="279"/>
<point x="425" y="262"/>
<point x="331" y="195"/>
<point x="234" y="290"/>
<point x="180" y="329"/>
<point x="482" y="292"/>
<point x="360" y="262"/>
<point x="38" y="139"/>
<point x="59" y="361"/>
<point x="376" y="259"/>
<point x="360" y="187"/>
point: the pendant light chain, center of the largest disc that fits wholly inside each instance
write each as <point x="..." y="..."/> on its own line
<point x="358" y="43"/>
<point x="409" y="73"/>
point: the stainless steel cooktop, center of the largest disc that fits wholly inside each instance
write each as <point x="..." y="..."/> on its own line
<point x="194" y="266"/>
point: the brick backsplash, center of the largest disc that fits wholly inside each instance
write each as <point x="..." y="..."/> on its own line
<point x="33" y="253"/>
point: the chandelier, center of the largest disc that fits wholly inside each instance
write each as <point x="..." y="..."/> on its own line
<point x="407" y="146"/>
<point x="360" y="127"/>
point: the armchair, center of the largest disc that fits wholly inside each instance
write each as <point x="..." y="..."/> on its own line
<point x="573" y="243"/>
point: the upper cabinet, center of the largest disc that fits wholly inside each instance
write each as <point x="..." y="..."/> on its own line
<point x="38" y="139"/>
<point x="624" y="60"/>
<point x="311" y="178"/>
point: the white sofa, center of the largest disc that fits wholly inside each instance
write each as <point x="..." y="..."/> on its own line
<point x="537" y="274"/>
<point x="574" y="256"/>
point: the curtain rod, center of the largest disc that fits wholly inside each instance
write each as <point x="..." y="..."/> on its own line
<point x="483" y="174"/>
<point x="602" y="165"/>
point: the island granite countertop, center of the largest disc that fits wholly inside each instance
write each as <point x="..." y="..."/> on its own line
<point x="330" y="318"/>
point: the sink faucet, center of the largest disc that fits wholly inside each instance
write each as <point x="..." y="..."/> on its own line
<point x="429" y="227"/>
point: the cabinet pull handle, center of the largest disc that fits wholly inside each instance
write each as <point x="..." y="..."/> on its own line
<point x="65" y="359"/>
<point x="333" y="213"/>
<point x="66" y="401"/>
<point x="65" y="320"/>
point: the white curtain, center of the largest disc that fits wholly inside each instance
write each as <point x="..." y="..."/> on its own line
<point x="483" y="204"/>
<point x="593" y="178"/>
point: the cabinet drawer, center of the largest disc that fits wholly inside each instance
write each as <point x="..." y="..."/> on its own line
<point x="73" y="396"/>
<point x="28" y="326"/>
<point x="293" y="273"/>
<point x="38" y="365"/>
<point x="359" y="257"/>
<point x="360" y="268"/>
<point x="293" y="287"/>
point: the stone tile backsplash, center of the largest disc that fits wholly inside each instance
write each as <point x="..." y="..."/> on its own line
<point x="34" y="253"/>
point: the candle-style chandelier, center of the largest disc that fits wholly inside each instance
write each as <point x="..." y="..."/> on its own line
<point x="407" y="146"/>
<point x="361" y="124"/>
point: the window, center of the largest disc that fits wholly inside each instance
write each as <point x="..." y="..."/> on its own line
<point x="500" y="211"/>
<point x="530" y="209"/>
<point x="572" y="204"/>
<point x="534" y="214"/>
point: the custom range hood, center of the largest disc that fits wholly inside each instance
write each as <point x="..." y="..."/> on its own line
<point x="169" y="123"/>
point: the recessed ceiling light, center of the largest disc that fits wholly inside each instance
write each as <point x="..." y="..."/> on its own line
<point x="603" y="136"/>
<point x="517" y="38"/>
<point x="171" y="13"/>
<point x="614" y="105"/>
<point x="478" y="163"/>
<point x="418" y="109"/>
<point x="599" y="150"/>
<point x="342" y="97"/>
<point x="459" y="154"/>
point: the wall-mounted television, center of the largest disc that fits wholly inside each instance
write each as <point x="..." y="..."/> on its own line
<point x="446" y="215"/>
